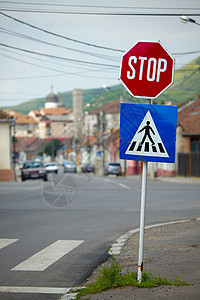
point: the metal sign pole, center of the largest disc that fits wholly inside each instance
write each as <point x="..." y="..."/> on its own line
<point x="142" y="220"/>
<point x="142" y="215"/>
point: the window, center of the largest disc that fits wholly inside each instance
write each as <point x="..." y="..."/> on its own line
<point x="195" y="144"/>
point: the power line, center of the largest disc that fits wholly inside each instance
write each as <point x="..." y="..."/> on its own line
<point x="186" y="53"/>
<point x="84" y="93"/>
<point x="78" y="41"/>
<point x="81" y="42"/>
<point x="98" y="6"/>
<point x="36" y="65"/>
<point x="185" y="78"/>
<point x="59" y="57"/>
<point x="13" y="33"/>
<point x="83" y="73"/>
<point x="101" y="13"/>
<point x="108" y="69"/>
<point x="107" y="57"/>
<point x="60" y="36"/>
<point x="63" y="73"/>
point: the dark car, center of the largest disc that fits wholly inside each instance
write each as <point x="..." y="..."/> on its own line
<point x="32" y="170"/>
<point x="88" y="168"/>
<point x="113" y="168"/>
<point x="70" y="167"/>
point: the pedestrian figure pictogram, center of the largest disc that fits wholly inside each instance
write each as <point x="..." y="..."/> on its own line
<point x="147" y="141"/>
<point x="148" y="131"/>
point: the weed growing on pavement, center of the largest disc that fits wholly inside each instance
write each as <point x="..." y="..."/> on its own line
<point x="112" y="277"/>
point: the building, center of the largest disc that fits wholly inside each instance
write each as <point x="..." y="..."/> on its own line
<point x="6" y="172"/>
<point x="187" y="142"/>
<point x="51" y="100"/>
<point x="25" y="125"/>
<point x="56" y="127"/>
<point x="111" y="118"/>
<point x="188" y="139"/>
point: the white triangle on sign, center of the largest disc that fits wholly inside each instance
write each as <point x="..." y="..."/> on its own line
<point x="147" y="141"/>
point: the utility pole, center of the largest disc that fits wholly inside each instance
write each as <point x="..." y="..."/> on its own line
<point x="14" y="148"/>
<point x="88" y="142"/>
<point x="52" y="150"/>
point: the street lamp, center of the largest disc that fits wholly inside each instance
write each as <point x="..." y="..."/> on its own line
<point x="186" y="19"/>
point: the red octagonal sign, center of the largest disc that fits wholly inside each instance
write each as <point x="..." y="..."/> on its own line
<point x="147" y="70"/>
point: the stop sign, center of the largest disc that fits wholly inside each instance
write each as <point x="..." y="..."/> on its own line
<point x="147" y="70"/>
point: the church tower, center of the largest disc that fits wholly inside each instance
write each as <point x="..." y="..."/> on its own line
<point x="51" y="100"/>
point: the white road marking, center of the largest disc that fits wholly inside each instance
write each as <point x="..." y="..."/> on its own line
<point x="124" y="186"/>
<point x="34" y="290"/>
<point x="6" y="242"/>
<point x="108" y="180"/>
<point x="49" y="255"/>
<point x="119" y="183"/>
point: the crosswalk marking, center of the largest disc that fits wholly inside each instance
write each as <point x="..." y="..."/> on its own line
<point x="6" y="242"/>
<point x="161" y="148"/>
<point x="34" y="290"/>
<point x="49" y="255"/>
<point x="146" y="147"/>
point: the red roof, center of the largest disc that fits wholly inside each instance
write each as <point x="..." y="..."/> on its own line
<point x="113" y="137"/>
<point x="20" y="119"/>
<point x="55" y="111"/>
<point x="23" y="142"/>
<point x="112" y="108"/>
<point x="25" y="119"/>
<point x="4" y="115"/>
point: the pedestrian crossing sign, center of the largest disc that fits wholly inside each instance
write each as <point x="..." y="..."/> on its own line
<point x="148" y="132"/>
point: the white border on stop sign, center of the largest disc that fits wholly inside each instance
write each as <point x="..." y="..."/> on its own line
<point x="173" y="68"/>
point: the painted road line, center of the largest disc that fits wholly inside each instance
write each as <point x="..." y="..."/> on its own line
<point x="124" y="186"/>
<point x="6" y="242"/>
<point x="119" y="183"/>
<point x="49" y="255"/>
<point x="108" y="180"/>
<point x="34" y="290"/>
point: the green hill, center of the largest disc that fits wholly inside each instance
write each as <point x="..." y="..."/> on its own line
<point x="66" y="97"/>
<point x="186" y="87"/>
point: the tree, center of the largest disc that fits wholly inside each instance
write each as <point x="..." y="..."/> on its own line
<point x="52" y="147"/>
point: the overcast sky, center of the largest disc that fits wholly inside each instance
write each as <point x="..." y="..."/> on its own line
<point x="78" y="59"/>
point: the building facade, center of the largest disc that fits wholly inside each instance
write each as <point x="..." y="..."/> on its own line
<point x="6" y="172"/>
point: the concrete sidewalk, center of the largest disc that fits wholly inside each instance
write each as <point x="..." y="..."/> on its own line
<point x="171" y="250"/>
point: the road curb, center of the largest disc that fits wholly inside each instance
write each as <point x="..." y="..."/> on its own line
<point x="119" y="243"/>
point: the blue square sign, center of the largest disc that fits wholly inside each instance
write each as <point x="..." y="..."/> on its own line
<point x="148" y="132"/>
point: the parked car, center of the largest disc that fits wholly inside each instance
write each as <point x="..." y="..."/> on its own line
<point x="32" y="170"/>
<point x="88" y="168"/>
<point x="51" y="167"/>
<point x="113" y="168"/>
<point x="64" y="162"/>
<point x="69" y="166"/>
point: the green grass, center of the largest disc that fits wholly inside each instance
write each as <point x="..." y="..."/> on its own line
<point x="112" y="277"/>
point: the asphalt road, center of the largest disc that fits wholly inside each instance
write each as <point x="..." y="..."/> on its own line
<point x="86" y="212"/>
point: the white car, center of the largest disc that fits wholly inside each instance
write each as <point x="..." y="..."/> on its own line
<point x="51" y="167"/>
